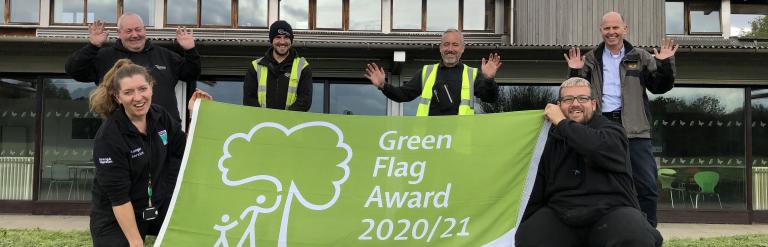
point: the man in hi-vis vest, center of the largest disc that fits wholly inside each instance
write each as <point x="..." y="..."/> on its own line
<point x="447" y="88"/>
<point x="281" y="79"/>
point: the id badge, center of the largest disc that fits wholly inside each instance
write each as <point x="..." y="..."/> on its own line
<point x="149" y="213"/>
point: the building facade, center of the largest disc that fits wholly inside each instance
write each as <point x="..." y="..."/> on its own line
<point x="715" y="119"/>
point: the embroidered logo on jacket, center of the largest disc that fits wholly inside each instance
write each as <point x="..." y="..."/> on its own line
<point x="159" y="67"/>
<point x="105" y="161"/>
<point x="136" y="153"/>
<point x="163" y="136"/>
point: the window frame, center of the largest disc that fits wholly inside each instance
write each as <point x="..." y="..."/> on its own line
<point x="687" y="20"/>
<point x="6" y="20"/>
<point x="84" y="22"/>
<point x="460" y="25"/>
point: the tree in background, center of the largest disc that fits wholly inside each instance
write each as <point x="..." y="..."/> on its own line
<point x="759" y="28"/>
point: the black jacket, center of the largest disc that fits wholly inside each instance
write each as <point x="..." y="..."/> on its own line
<point x="90" y="64"/>
<point x="584" y="172"/>
<point x="124" y="158"/>
<point x="447" y="87"/>
<point x="277" y="84"/>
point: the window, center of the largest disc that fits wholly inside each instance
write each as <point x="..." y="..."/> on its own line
<point x="332" y="14"/>
<point x="351" y="98"/>
<point x="145" y="9"/>
<point x="252" y="13"/>
<point x="364" y="15"/>
<point x="700" y="130"/>
<point x="691" y="17"/>
<point x="17" y="142"/>
<point x="184" y="12"/>
<point x="20" y="11"/>
<point x="74" y="12"/>
<point x="760" y="149"/>
<point x="328" y="14"/>
<point x="439" y="15"/>
<point x="67" y="168"/>
<point x="749" y="19"/>
<point x="217" y="13"/>
<point x="295" y="12"/>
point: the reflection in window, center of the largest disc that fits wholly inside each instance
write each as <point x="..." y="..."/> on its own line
<point x="475" y="15"/>
<point x="705" y="17"/>
<point x="701" y="129"/>
<point x="295" y="12"/>
<point x="68" y="126"/>
<point x="675" y="14"/>
<point x="24" y="11"/>
<point x="68" y="12"/>
<point x="223" y="91"/>
<point x="406" y="14"/>
<point x="17" y="142"/>
<point x="105" y="10"/>
<point x="252" y="13"/>
<point x="357" y="99"/>
<point x="216" y="12"/>
<point x="520" y="98"/>
<point x="364" y="15"/>
<point x="328" y="14"/>
<point x="747" y="19"/>
<point x="760" y="148"/>
<point x="183" y="12"/>
<point x="318" y="92"/>
<point x="442" y="15"/>
<point x="145" y="9"/>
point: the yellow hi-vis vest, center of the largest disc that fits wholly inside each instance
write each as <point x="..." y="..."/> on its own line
<point x="293" y="81"/>
<point x="467" y="104"/>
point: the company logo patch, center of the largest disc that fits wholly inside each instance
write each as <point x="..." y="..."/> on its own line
<point x="105" y="161"/>
<point x="163" y="136"/>
<point x="159" y="67"/>
<point x="632" y="66"/>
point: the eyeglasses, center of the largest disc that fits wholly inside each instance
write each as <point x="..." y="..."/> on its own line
<point x="569" y="99"/>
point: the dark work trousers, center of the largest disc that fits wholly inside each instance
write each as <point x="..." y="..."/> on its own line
<point x="623" y="226"/>
<point x="112" y="235"/>
<point x="644" y="172"/>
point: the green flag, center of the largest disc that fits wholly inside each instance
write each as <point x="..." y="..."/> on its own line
<point x="254" y="176"/>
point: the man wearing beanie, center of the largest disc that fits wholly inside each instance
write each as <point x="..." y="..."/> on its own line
<point x="281" y="79"/>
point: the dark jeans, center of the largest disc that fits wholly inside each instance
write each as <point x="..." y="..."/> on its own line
<point x="644" y="173"/>
<point x="624" y="226"/>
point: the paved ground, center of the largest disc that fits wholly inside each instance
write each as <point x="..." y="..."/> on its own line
<point x="669" y="231"/>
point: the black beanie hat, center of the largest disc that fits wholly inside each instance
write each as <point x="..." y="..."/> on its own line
<point x="280" y="28"/>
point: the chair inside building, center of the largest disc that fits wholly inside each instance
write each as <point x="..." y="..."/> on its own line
<point x="667" y="177"/>
<point x="707" y="181"/>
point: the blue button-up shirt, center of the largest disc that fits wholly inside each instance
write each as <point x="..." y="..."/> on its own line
<point x="611" y="100"/>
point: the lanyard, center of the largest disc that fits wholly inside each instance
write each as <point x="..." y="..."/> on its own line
<point x="149" y="165"/>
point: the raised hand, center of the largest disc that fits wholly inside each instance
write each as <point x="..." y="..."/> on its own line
<point x="198" y="94"/>
<point x="668" y="49"/>
<point x="97" y="34"/>
<point x="376" y="74"/>
<point x="491" y="65"/>
<point x="185" y="38"/>
<point x="574" y="58"/>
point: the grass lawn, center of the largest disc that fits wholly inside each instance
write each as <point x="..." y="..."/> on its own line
<point x="37" y="237"/>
